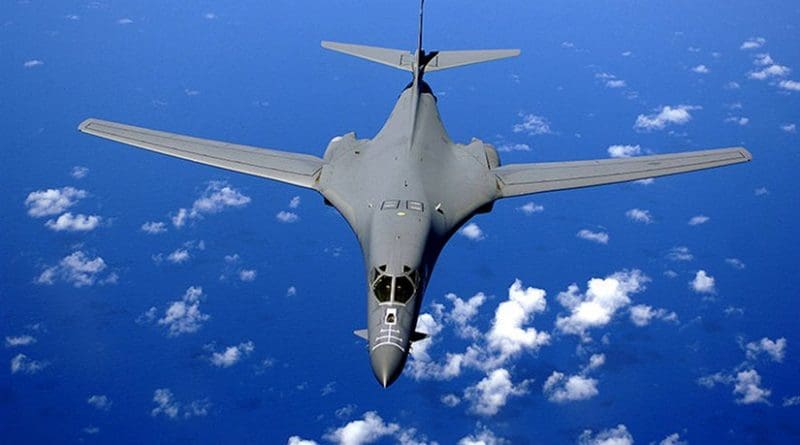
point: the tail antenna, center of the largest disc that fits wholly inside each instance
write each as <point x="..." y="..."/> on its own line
<point x="419" y="42"/>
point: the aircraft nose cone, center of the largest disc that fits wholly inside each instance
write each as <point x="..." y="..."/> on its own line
<point x="387" y="364"/>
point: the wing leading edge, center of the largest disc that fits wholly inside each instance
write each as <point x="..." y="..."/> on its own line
<point x="524" y="179"/>
<point x="293" y="168"/>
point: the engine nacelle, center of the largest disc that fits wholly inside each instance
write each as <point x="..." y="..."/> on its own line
<point x="338" y="145"/>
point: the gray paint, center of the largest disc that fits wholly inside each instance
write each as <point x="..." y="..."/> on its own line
<point x="411" y="160"/>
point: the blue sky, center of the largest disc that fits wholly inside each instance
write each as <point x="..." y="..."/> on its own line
<point x="148" y="300"/>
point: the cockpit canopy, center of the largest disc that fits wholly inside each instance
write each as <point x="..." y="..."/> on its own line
<point x="391" y="288"/>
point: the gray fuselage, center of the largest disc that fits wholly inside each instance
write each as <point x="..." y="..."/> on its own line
<point x="404" y="193"/>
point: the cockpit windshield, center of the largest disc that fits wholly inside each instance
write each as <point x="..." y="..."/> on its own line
<point x="398" y="289"/>
<point x="383" y="288"/>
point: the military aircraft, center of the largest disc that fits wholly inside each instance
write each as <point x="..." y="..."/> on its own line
<point x="406" y="191"/>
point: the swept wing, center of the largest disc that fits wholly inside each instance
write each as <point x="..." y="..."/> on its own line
<point x="524" y="179"/>
<point x="293" y="168"/>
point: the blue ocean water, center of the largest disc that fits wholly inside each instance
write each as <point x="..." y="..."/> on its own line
<point x="269" y="353"/>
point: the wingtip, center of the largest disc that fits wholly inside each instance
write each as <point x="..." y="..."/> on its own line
<point x="746" y="154"/>
<point x="85" y="124"/>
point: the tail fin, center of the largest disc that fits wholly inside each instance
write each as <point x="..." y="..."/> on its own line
<point x="404" y="60"/>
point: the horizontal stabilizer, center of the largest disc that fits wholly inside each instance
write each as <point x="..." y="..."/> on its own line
<point x="453" y="59"/>
<point x="395" y="58"/>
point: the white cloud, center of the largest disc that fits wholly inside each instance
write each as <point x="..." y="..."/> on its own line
<point x="736" y="263"/>
<point x="791" y="85"/>
<point x="624" y="151"/>
<point x="763" y="59"/>
<point x="179" y="220"/>
<point x="791" y="401"/>
<point x="761" y="191"/>
<point x="532" y="125"/>
<point x="709" y="381"/>
<point x="181" y="254"/>
<point x="21" y="340"/>
<point x="291" y="291"/>
<point x="508" y="336"/>
<point x="363" y="431"/>
<point x="739" y="120"/>
<point x="463" y="312"/>
<point x="701" y="69"/>
<point x="472" y="231"/>
<point x="24" y="364"/>
<point x="597" y="237"/>
<point x="529" y="208"/>
<point x="421" y="365"/>
<point x="154" y="227"/>
<point x="560" y="388"/>
<point x="79" y="172"/>
<point x="603" y="298"/>
<point x="615" y="83"/>
<point x="703" y="283"/>
<point x="680" y="253"/>
<point x="91" y="430"/>
<point x="647" y="181"/>
<point x="678" y="115"/>
<point x="77" y="269"/>
<point x="209" y="16"/>
<point x="217" y="197"/>
<point x="483" y="437"/>
<point x="297" y="440"/>
<point x="747" y="386"/>
<point x="611" y="436"/>
<point x="33" y="63"/>
<point x="100" y="401"/>
<point x="124" y="21"/>
<point x="183" y="316"/>
<point x="169" y="407"/>
<point x="611" y="81"/>
<point x="232" y="354"/>
<point x="672" y="439"/>
<point x="639" y="215"/>
<point x="178" y="256"/>
<point x="74" y="223"/>
<point x="450" y="400"/>
<point x="52" y="201"/>
<point x="248" y="275"/>
<point x="506" y="148"/>
<point x="789" y="128"/>
<point x="642" y="314"/>
<point x="698" y="219"/>
<point x="753" y="43"/>
<point x="286" y="217"/>
<point x="776" y="349"/>
<point x="294" y="203"/>
<point x="770" y="71"/>
<point x="595" y="361"/>
<point x="732" y="85"/>
<point x="492" y="393"/>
